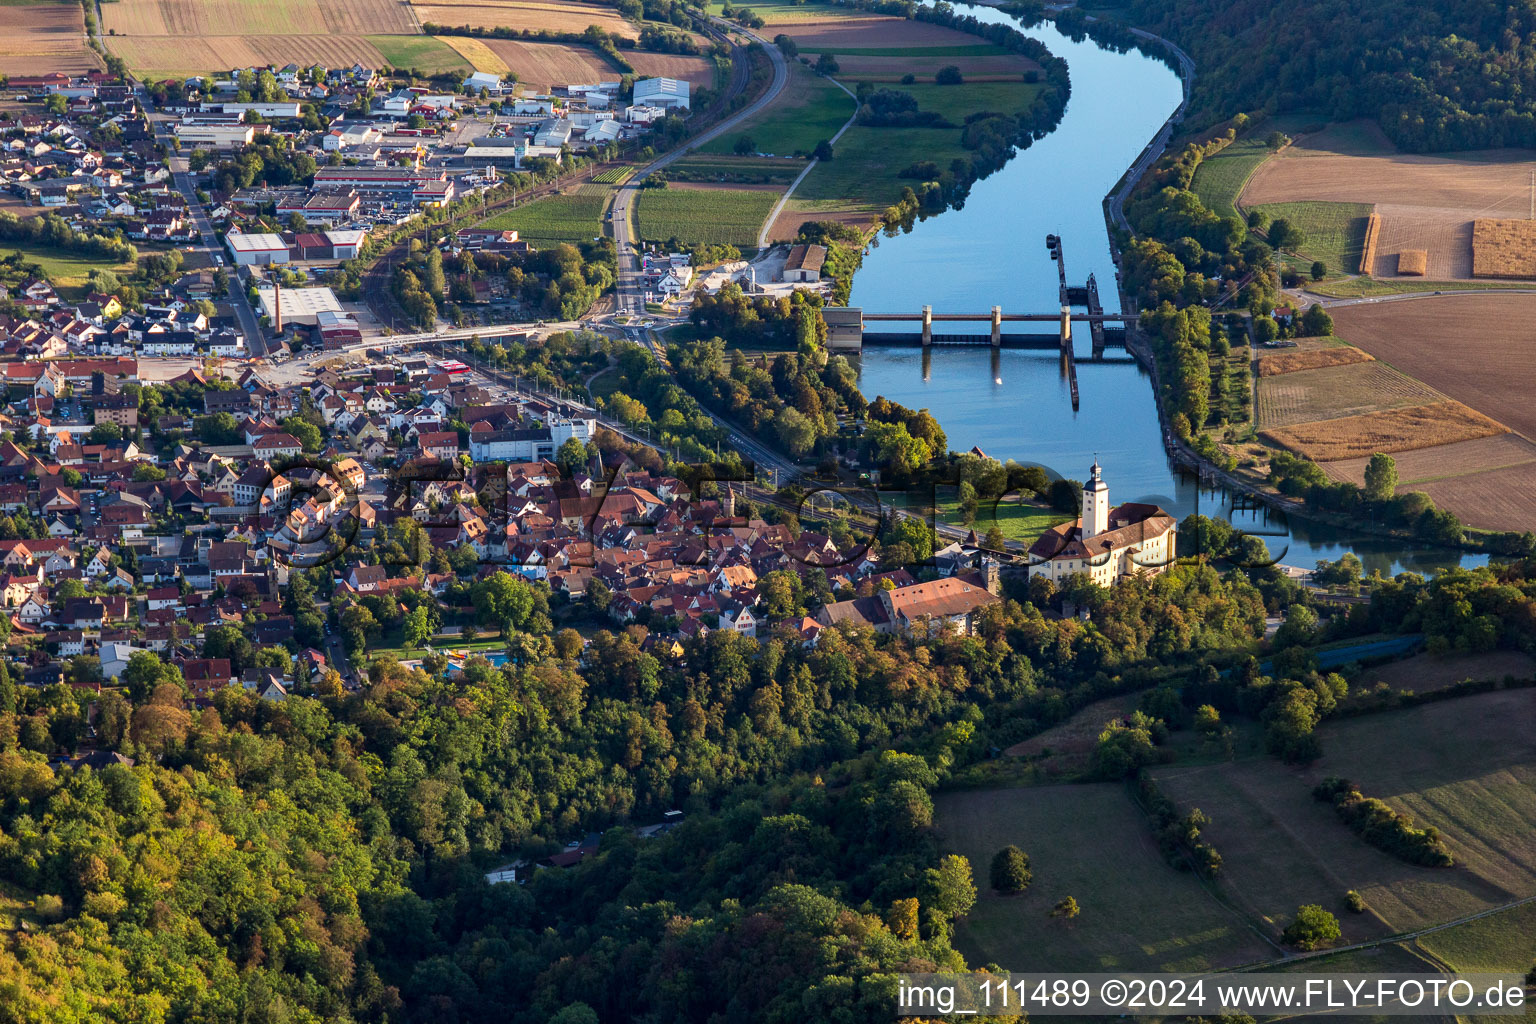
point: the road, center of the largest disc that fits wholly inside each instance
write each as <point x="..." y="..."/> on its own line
<point x="778" y="207"/>
<point x="631" y="293"/>
<point x="181" y="177"/>
<point x="1159" y="144"/>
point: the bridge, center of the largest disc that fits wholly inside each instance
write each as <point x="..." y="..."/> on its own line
<point x="846" y="325"/>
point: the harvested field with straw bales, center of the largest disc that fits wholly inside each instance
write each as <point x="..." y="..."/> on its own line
<point x="1412" y="263"/>
<point x="1504" y="248"/>
<point x="1423" y="203"/>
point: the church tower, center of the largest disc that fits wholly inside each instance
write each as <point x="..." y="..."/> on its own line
<point x="1095" y="503"/>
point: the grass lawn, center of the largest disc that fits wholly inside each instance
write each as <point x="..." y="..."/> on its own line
<point x="1020" y="521"/>
<point x="427" y="54"/>
<point x="709" y="216"/>
<point x="440" y="644"/>
<point x="863" y="173"/>
<point x="1219" y="180"/>
<point x="1335" y="231"/>
<point x="1092" y="843"/>
<point x="810" y="109"/>
<point x="69" y="273"/>
<point x="568" y="217"/>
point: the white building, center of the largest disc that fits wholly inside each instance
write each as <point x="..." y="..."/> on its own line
<point x="277" y="110"/>
<point x="1107" y="544"/>
<point x="661" y="92"/>
<point x="218" y="136"/>
<point x="299" y="305"/>
<point x="483" y="80"/>
<point x="345" y="244"/>
<point x="528" y="444"/>
<point x="256" y="250"/>
<point x="350" y="137"/>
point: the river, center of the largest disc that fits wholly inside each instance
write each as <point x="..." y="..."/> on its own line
<point x="1015" y="404"/>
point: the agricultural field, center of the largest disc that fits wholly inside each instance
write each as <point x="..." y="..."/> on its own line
<point x="426" y="54"/>
<point x="46" y="36"/>
<point x="778" y="13"/>
<point x="923" y="64"/>
<point x="1503" y="248"/>
<point x="837" y="33"/>
<point x="809" y="110"/>
<point x="1425" y="203"/>
<point x="540" y="65"/>
<point x="1446" y="462"/>
<point x="730" y="216"/>
<point x="1281" y="848"/>
<point x="699" y="71"/>
<point x="192" y="19"/>
<point x="1335" y="232"/>
<point x="575" y="216"/>
<point x="479" y="56"/>
<point x="519" y="15"/>
<point x="1426" y="673"/>
<point x="1330" y="392"/>
<point x="1092" y="843"/>
<point x="158" y="57"/>
<point x="1473" y="347"/>
<point x="1391" y="430"/>
<point x="1219" y="179"/>
<point x="1295" y="360"/>
<point x="736" y="169"/>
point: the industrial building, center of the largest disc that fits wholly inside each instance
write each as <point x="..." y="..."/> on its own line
<point x="256" y="250"/>
<point x="299" y="305"/>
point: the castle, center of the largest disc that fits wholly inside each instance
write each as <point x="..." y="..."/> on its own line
<point x="1107" y="544"/>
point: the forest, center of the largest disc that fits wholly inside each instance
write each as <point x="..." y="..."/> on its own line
<point x="1438" y="75"/>
<point x="322" y="859"/>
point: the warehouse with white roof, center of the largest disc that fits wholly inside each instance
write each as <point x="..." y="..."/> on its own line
<point x="256" y="250"/>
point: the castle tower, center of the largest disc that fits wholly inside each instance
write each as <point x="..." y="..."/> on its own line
<point x="1095" y="503"/>
<point x="729" y="502"/>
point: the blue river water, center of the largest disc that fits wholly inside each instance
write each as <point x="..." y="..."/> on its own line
<point x="1015" y="404"/>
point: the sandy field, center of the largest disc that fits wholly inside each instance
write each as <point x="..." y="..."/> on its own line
<point x="45" y="37"/>
<point x="1475" y="347"/>
<point x="1424" y="202"/>
<point x="556" y="17"/>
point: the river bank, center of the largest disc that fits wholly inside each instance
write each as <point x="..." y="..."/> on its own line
<point x="1013" y="403"/>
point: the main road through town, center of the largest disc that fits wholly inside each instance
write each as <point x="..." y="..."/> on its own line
<point x="631" y="294"/>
